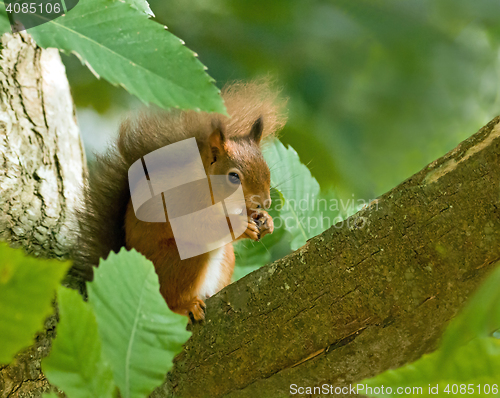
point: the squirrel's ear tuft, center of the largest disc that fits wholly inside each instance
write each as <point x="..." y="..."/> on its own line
<point x="256" y="130"/>
<point x="216" y="140"/>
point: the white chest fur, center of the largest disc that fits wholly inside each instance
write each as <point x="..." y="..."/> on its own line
<point x="211" y="284"/>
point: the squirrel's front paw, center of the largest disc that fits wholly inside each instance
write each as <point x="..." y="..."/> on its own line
<point x="196" y="310"/>
<point x="259" y="225"/>
<point x="252" y="231"/>
<point x="264" y="223"/>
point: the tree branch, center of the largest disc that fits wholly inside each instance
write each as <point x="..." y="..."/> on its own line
<point x="358" y="299"/>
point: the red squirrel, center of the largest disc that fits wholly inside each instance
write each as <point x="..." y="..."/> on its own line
<point x="228" y="146"/>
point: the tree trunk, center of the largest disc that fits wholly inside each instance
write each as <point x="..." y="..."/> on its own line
<point x="370" y="295"/>
<point x="365" y="296"/>
<point x="43" y="161"/>
<point x="42" y="169"/>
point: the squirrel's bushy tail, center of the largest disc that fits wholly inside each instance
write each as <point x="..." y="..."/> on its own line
<point x="102" y="211"/>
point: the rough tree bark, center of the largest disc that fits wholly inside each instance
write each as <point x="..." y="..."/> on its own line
<point x="358" y="299"/>
<point x="40" y="149"/>
<point x="42" y="166"/>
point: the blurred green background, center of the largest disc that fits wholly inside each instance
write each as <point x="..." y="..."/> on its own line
<point x="377" y="89"/>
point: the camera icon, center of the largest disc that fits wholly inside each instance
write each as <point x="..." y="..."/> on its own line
<point x="204" y="212"/>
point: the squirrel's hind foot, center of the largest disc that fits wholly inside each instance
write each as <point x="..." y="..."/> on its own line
<point x="196" y="310"/>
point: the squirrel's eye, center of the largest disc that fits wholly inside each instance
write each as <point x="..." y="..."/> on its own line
<point x="234" y="178"/>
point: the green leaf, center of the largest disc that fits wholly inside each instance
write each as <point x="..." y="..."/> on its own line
<point x="477" y="362"/>
<point x="76" y="364"/>
<point x="252" y="255"/>
<point x="140" y="335"/>
<point x="126" y="48"/>
<point x="303" y="211"/>
<point x="50" y="395"/>
<point x="141" y="5"/>
<point x="4" y="20"/>
<point x="295" y="197"/>
<point x="27" y="287"/>
<point x="468" y="353"/>
<point x="480" y="317"/>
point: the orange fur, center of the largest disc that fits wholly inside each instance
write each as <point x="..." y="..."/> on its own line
<point x="108" y="222"/>
<point x="180" y="280"/>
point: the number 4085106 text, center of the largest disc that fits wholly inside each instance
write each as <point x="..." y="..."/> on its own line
<point x="34" y="8"/>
